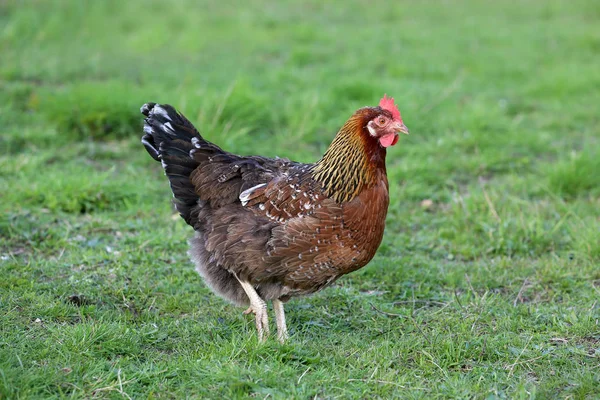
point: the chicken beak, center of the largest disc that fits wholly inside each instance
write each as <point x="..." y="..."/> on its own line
<point x="401" y="128"/>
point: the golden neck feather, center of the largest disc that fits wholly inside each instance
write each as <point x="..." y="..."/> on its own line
<point x="349" y="164"/>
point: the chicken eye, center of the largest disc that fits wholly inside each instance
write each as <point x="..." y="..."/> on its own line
<point x="381" y="121"/>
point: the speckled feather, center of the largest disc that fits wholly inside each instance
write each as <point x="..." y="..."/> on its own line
<point x="287" y="228"/>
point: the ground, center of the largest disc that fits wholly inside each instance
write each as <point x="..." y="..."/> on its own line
<point x="487" y="284"/>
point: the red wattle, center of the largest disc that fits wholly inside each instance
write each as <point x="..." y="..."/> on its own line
<point x="389" y="140"/>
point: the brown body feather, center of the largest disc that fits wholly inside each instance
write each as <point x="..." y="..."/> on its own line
<point x="287" y="228"/>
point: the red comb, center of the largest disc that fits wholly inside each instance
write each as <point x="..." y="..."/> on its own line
<point x="387" y="103"/>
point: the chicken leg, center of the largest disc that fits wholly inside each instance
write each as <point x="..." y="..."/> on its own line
<point x="282" y="333"/>
<point x="259" y="308"/>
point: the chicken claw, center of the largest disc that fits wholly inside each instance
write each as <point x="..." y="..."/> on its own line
<point x="259" y="308"/>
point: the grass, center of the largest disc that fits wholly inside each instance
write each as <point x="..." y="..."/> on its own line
<point x="488" y="280"/>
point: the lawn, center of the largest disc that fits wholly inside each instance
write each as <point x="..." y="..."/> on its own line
<point x="487" y="284"/>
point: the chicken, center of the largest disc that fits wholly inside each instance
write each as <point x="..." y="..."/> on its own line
<point x="272" y="229"/>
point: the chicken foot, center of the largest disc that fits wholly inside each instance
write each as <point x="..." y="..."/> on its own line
<point x="259" y="308"/>
<point x="282" y="333"/>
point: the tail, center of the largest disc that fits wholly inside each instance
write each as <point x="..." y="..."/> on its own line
<point x="168" y="138"/>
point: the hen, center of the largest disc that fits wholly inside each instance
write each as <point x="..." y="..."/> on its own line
<point x="271" y="229"/>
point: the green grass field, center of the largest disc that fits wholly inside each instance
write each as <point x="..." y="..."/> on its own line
<point x="487" y="284"/>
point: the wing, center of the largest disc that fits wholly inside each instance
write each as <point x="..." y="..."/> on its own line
<point x="306" y="249"/>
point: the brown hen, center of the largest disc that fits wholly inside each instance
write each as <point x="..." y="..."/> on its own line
<point x="271" y="229"/>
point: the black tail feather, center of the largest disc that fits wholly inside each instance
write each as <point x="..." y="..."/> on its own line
<point x="168" y="138"/>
